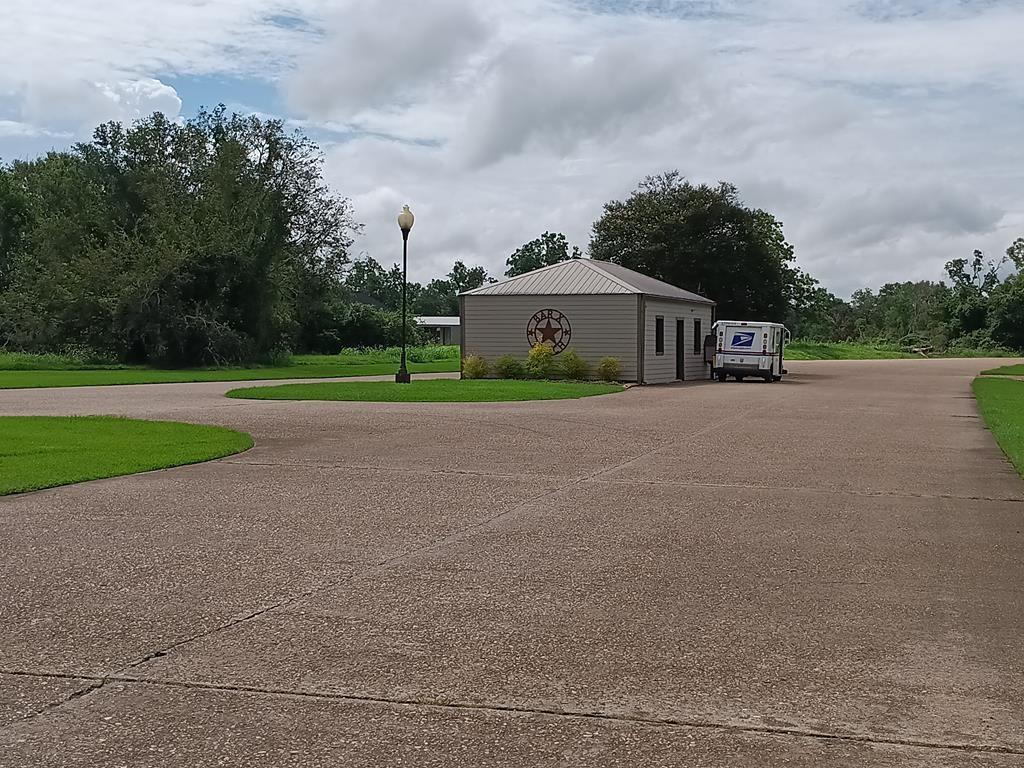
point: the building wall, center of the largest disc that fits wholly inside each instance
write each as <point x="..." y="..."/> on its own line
<point x="602" y="325"/>
<point x="659" y="369"/>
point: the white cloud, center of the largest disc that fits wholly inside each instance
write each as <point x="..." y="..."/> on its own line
<point x="78" y="105"/>
<point x="884" y="133"/>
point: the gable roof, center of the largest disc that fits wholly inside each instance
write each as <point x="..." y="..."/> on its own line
<point x="585" y="277"/>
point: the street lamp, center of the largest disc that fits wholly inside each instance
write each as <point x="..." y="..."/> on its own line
<point x="405" y="222"/>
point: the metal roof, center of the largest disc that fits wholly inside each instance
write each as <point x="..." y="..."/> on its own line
<point x="585" y="277"/>
<point x="439" y="322"/>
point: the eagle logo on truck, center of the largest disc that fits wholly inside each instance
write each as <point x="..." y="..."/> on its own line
<point x="742" y="339"/>
<point x="549" y="326"/>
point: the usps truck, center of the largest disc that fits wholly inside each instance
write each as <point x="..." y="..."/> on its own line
<point x="745" y="348"/>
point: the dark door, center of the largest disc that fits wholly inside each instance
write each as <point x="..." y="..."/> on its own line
<point x="680" y="350"/>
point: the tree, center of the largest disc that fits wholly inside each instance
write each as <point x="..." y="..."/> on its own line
<point x="441" y="297"/>
<point x="972" y="281"/>
<point x="370" y="283"/>
<point x="549" y="248"/>
<point x="703" y="239"/>
<point x="1006" y="314"/>
<point x="465" y="278"/>
<point x="13" y="221"/>
<point x="814" y="313"/>
<point x="179" y="244"/>
<point x="1015" y="253"/>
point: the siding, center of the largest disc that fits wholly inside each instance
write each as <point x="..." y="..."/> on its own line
<point x="602" y="325"/>
<point x="659" y="369"/>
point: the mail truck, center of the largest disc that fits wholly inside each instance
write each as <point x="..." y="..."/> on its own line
<point x="749" y="349"/>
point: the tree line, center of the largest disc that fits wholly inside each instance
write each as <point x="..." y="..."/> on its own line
<point x="216" y="240"/>
<point x="703" y="238"/>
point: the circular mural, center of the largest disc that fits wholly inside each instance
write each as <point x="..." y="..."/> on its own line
<point x="549" y="326"/>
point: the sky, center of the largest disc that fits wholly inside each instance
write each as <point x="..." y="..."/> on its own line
<point x="886" y="135"/>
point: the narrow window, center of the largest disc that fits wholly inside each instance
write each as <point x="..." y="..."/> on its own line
<point x="659" y="335"/>
<point x="698" y="340"/>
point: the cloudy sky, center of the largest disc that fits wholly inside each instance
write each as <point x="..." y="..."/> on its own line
<point x="888" y="135"/>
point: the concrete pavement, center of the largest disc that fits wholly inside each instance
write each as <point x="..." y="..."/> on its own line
<point x="825" y="571"/>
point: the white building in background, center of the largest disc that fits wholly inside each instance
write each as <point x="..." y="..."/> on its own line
<point x="600" y="309"/>
<point x="446" y="330"/>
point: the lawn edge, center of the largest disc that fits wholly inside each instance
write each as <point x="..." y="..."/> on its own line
<point x="1018" y="467"/>
<point x="249" y="439"/>
<point x="237" y="394"/>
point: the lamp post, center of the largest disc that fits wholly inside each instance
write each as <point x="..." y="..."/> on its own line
<point x="405" y="222"/>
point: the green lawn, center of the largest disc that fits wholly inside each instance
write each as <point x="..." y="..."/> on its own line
<point x="19" y="371"/>
<point x="42" y="452"/>
<point x="848" y="350"/>
<point x="1001" y="402"/>
<point x="430" y="391"/>
<point x="814" y="350"/>
<point x="1006" y="370"/>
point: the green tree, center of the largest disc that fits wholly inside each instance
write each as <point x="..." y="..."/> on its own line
<point x="465" y="278"/>
<point x="701" y="238"/>
<point x="814" y="312"/>
<point x="370" y="283"/>
<point x="13" y="221"/>
<point x="179" y="244"/>
<point x="1006" y="304"/>
<point x="441" y="297"/>
<point x="973" y="281"/>
<point x="549" y="248"/>
<point x="1006" y="313"/>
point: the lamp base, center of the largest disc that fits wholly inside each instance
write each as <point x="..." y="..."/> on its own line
<point x="403" y="377"/>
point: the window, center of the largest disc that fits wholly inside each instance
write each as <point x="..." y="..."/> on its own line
<point x="659" y="335"/>
<point x="698" y="342"/>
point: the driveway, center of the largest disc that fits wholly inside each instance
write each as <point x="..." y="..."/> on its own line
<point x="828" y="571"/>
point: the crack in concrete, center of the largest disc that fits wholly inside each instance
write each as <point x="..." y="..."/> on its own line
<point x="671" y="722"/>
<point x="456" y="536"/>
<point x="593" y="478"/>
<point x="94" y="684"/>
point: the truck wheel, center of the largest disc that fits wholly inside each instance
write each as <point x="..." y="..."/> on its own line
<point x="777" y="377"/>
<point x="769" y="379"/>
<point x="722" y="376"/>
<point x="740" y="378"/>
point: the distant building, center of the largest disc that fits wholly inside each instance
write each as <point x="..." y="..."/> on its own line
<point x="600" y="309"/>
<point x="446" y="330"/>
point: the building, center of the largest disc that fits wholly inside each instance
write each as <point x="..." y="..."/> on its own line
<point x="445" y="330"/>
<point x="600" y="309"/>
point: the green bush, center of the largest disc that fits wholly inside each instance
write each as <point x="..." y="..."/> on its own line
<point x="574" y="367"/>
<point x="475" y="367"/>
<point x="540" y="361"/>
<point x="609" y="369"/>
<point x="509" y="367"/>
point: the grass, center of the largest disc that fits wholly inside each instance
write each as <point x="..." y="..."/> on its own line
<point x="430" y="391"/>
<point x="845" y="350"/>
<point x="1006" y="370"/>
<point x="43" y="452"/>
<point x="20" y="371"/>
<point x="1001" y="402"/>
<point x="852" y="350"/>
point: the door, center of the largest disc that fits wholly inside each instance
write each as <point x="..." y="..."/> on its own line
<point x="681" y="350"/>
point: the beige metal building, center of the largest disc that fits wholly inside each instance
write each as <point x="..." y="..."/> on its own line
<point x="597" y="308"/>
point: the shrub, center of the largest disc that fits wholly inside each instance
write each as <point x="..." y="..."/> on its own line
<point x="475" y="367"/>
<point x="540" y="361"/>
<point x="575" y="367"/>
<point x="609" y="369"/>
<point x="508" y="367"/>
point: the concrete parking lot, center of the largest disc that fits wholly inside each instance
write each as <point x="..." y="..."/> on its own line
<point x="823" y="571"/>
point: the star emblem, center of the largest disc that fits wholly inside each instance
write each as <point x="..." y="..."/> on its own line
<point x="551" y="327"/>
